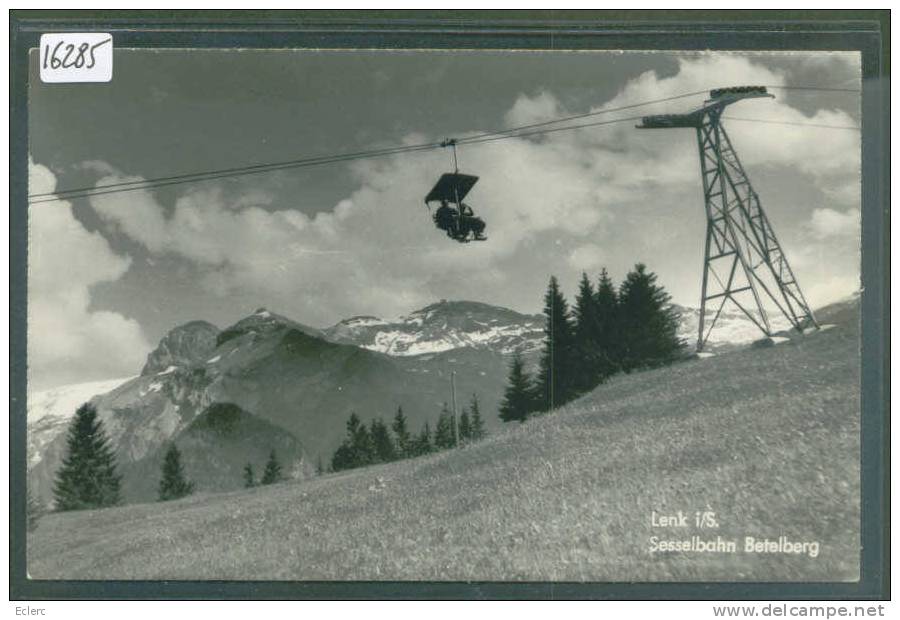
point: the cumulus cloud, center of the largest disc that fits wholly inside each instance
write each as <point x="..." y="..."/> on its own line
<point x="826" y="256"/>
<point x="843" y="64"/>
<point x="556" y="203"/>
<point x="69" y="341"/>
<point x="529" y="110"/>
<point x="828" y="223"/>
<point x="586" y="257"/>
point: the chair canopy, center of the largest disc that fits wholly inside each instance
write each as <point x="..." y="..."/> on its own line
<point x="451" y="187"/>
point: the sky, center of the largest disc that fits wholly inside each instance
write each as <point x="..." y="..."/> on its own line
<point x="110" y="275"/>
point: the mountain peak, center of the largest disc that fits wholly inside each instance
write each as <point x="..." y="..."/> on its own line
<point x="442" y="326"/>
<point x="465" y="307"/>
<point x="263" y="321"/>
<point x="184" y="345"/>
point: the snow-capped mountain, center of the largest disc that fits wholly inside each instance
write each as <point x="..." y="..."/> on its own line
<point x="733" y="328"/>
<point x="295" y="386"/>
<point x="61" y="402"/>
<point x="444" y="326"/>
<point x="292" y="385"/>
<point x="450" y="325"/>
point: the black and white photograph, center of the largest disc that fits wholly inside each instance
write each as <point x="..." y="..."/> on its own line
<point x="444" y="315"/>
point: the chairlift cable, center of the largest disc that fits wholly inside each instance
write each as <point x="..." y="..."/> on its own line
<point x="791" y="123"/>
<point x="552" y="130"/>
<point x="588" y="114"/>
<point x="240" y="171"/>
<point x="303" y="162"/>
<point x="513" y="132"/>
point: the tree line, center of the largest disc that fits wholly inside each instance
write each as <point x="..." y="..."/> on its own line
<point x="609" y="330"/>
<point x="377" y="443"/>
<point x="88" y="476"/>
<point x="271" y="472"/>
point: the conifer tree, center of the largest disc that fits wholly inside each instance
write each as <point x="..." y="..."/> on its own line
<point x="556" y="382"/>
<point x="587" y="335"/>
<point x="357" y="449"/>
<point x="584" y="313"/>
<point x="382" y="443"/>
<point x="609" y="342"/>
<point x="443" y="433"/>
<point x="173" y="484"/>
<point x="88" y="477"/>
<point x="648" y="324"/>
<point x="465" y="426"/>
<point x="272" y="472"/>
<point x="476" y="424"/>
<point x="343" y="457"/>
<point x="249" y="476"/>
<point x="401" y="432"/>
<point x="423" y="444"/>
<point x="363" y="449"/>
<point x="517" y="399"/>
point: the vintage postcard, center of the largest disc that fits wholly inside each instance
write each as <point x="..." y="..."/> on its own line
<point x="456" y="315"/>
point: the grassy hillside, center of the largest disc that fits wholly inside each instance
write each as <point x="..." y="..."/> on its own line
<point x="215" y="448"/>
<point x="767" y="438"/>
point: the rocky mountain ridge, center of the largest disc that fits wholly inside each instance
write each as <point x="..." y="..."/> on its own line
<point x="303" y="382"/>
<point x="289" y="376"/>
<point x="443" y="326"/>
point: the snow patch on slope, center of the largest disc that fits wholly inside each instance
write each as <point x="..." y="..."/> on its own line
<point x="396" y="342"/>
<point x="48" y="412"/>
<point x="63" y="401"/>
<point x="732" y="328"/>
<point x="443" y="326"/>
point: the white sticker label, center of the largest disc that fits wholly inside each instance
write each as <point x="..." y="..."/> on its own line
<point x="76" y="57"/>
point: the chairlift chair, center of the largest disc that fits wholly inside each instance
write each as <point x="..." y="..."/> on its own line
<point x="454" y="216"/>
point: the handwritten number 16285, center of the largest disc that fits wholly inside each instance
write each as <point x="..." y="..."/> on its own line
<point x="66" y="55"/>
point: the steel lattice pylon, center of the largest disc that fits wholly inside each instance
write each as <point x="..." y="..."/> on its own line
<point x="743" y="262"/>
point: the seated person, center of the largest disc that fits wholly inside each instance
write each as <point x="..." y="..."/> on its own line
<point x="445" y="217"/>
<point x="470" y="222"/>
<point x="477" y="225"/>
